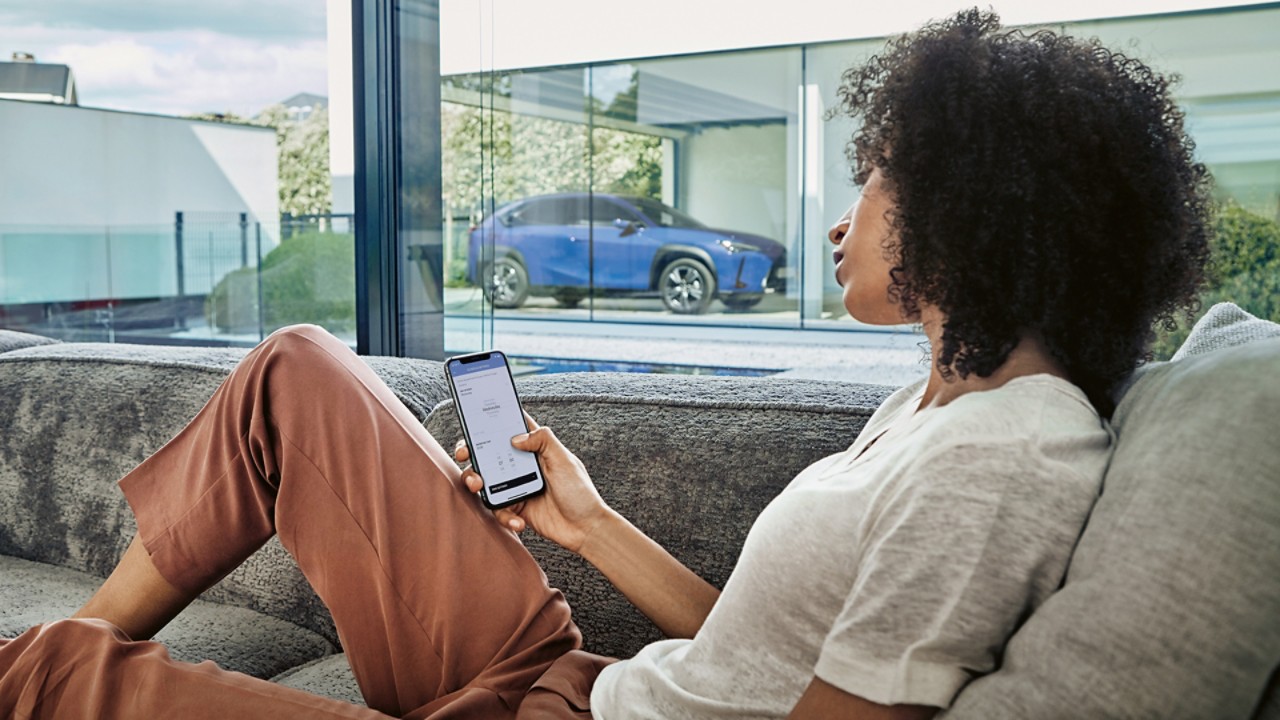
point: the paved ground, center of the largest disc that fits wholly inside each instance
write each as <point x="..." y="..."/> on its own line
<point x="891" y="358"/>
<point x="636" y="330"/>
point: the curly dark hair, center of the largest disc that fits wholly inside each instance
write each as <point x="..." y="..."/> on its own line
<point x="1043" y="184"/>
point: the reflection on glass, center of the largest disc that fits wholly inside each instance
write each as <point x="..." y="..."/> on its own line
<point x="698" y="189"/>
<point x="219" y="278"/>
<point x="195" y="217"/>
<point x="608" y="185"/>
<point x="507" y="138"/>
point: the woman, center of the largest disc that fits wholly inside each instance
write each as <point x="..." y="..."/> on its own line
<point x="1030" y="200"/>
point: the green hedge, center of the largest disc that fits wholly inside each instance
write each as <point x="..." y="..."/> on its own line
<point x="308" y="278"/>
<point x="1245" y="270"/>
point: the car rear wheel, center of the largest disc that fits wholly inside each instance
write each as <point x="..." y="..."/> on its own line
<point x="687" y="286"/>
<point x="506" y="283"/>
<point x="741" y="302"/>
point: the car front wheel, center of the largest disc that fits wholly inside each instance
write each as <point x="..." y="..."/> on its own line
<point x="687" y="286"/>
<point x="506" y="283"/>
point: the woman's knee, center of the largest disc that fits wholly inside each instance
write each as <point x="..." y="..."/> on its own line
<point x="306" y="358"/>
<point x="304" y="334"/>
<point x="63" y="640"/>
<point x="311" y="342"/>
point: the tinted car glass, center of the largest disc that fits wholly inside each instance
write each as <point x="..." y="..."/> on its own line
<point x="665" y="215"/>
<point x="552" y="211"/>
<point x="604" y="212"/>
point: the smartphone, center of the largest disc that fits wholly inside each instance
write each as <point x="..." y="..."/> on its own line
<point x="489" y="411"/>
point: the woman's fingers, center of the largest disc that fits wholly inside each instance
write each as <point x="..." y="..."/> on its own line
<point x="460" y="451"/>
<point x="509" y="520"/>
<point x="535" y="441"/>
<point x="508" y="517"/>
<point x="472" y="480"/>
<point x="528" y="419"/>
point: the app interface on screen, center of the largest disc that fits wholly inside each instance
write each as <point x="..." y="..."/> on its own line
<point x="488" y="402"/>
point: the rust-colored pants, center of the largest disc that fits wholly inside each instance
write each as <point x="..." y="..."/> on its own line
<point x="441" y="611"/>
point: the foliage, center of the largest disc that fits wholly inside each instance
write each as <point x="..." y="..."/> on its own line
<point x="305" y="185"/>
<point x="494" y="154"/>
<point x="308" y="278"/>
<point x="1245" y="271"/>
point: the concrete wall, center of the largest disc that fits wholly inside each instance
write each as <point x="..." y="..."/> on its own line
<point x="735" y="178"/>
<point x="88" y="197"/>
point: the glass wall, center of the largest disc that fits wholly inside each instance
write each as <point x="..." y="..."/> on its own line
<point x="654" y="191"/>
<point x="697" y="190"/>
<point x="184" y="193"/>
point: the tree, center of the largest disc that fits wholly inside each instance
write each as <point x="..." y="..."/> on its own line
<point x="305" y="186"/>
<point x="495" y="155"/>
<point x="1245" y="270"/>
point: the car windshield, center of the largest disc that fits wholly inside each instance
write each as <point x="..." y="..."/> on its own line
<point x="665" y="215"/>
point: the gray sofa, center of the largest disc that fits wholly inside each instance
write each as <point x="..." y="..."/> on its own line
<point x="1171" y="607"/>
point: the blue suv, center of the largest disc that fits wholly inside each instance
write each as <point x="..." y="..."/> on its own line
<point x="549" y="244"/>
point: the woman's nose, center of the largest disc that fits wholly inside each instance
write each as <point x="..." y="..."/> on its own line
<point x="837" y="231"/>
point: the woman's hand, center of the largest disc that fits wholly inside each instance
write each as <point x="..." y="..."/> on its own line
<point x="571" y="514"/>
<point x="570" y="509"/>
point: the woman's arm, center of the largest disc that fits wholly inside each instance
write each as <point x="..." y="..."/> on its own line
<point x="572" y="514"/>
<point x="667" y="592"/>
<point x="823" y="701"/>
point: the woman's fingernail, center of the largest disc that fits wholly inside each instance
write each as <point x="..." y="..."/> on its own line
<point x="520" y="438"/>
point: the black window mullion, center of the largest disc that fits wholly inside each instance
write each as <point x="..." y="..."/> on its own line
<point x="374" y="43"/>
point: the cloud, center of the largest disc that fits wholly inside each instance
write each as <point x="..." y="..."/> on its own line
<point x="179" y="72"/>
<point x="295" y="19"/>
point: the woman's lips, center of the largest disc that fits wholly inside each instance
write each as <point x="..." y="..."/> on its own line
<point x="837" y="256"/>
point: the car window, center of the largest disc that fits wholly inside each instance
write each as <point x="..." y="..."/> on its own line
<point x="665" y="215"/>
<point x="549" y="211"/>
<point x="605" y="212"/>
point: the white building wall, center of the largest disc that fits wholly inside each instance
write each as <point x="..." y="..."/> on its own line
<point x="88" y="198"/>
<point x="736" y="178"/>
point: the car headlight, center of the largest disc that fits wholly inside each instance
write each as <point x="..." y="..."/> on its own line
<point x="736" y="247"/>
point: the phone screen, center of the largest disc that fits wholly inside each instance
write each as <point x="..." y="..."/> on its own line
<point x="490" y="413"/>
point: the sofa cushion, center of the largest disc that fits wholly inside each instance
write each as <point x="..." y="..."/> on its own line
<point x="690" y="460"/>
<point x="235" y="638"/>
<point x="14" y="340"/>
<point x="330" y="676"/>
<point x="1170" y="603"/>
<point x="1225" y="325"/>
<point x="74" y="418"/>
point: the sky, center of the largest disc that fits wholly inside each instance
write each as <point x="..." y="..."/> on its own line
<point x="175" y="57"/>
<point x="178" y="57"/>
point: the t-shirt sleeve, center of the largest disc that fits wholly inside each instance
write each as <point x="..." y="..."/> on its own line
<point x="953" y="558"/>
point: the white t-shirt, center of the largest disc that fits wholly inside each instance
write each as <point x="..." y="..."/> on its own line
<point x="896" y="575"/>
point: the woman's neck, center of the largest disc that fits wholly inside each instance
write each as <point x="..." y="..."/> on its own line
<point x="1028" y="357"/>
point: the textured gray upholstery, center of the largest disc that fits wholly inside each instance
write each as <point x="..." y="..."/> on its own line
<point x="329" y="676"/>
<point x="1225" y="325"/>
<point x="235" y="638"/>
<point x="1171" y="602"/>
<point x="74" y="418"/>
<point x="14" y="340"/>
<point x="689" y="460"/>
<point x="1168" y="610"/>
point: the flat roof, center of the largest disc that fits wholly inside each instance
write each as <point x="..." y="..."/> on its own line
<point x="518" y="34"/>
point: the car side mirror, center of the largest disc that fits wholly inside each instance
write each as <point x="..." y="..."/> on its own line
<point x="628" y="227"/>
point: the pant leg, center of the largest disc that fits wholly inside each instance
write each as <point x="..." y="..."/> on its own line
<point x="436" y="605"/>
<point x="88" y="669"/>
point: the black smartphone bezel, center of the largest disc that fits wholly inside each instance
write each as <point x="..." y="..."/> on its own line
<point x="466" y="434"/>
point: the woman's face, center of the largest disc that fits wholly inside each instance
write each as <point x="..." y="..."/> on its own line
<point x="861" y="267"/>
